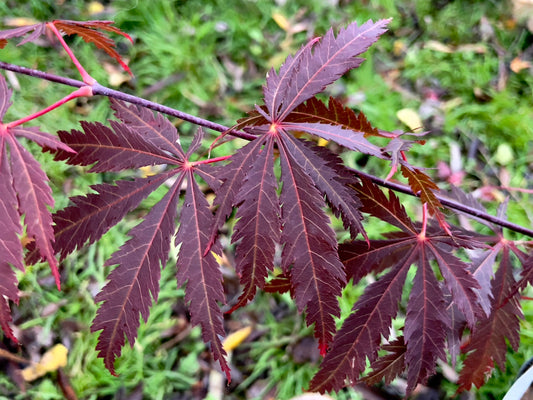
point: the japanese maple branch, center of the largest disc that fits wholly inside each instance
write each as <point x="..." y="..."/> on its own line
<point x="105" y="91"/>
<point x="98" y="89"/>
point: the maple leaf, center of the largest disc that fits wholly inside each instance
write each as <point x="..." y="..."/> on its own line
<point x="423" y="186"/>
<point x="10" y="247"/>
<point x="136" y="279"/>
<point x="201" y="273"/>
<point x="35" y="29"/>
<point x="389" y="366"/>
<point x="309" y="177"/>
<point x="141" y="139"/>
<point x="259" y="219"/>
<point x="315" y="67"/>
<point x="488" y="340"/>
<point x="88" y="30"/>
<point x="426" y="321"/>
<point x="24" y="178"/>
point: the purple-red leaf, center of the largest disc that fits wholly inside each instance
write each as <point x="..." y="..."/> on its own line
<point x="34" y="196"/>
<point x="460" y="282"/>
<point x="94" y="214"/>
<point x="331" y="178"/>
<point x="135" y="281"/>
<point x="10" y="247"/>
<point x="43" y="139"/>
<point x="35" y="29"/>
<point x="333" y="122"/>
<point x="110" y="149"/>
<point x="353" y="140"/>
<point x="388" y="367"/>
<point x="315" y="67"/>
<point x="232" y="176"/>
<point x="258" y="227"/>
<point x="310" y="247"/>
<point x="315" y="111"/>
<point x="360" y="335"/>
<point x="154" y="128"/>
<point x="489" y="338"/>
<point x="377" y="204"/>
<point x="425" y="324"/>
<point x="200" y="273"/>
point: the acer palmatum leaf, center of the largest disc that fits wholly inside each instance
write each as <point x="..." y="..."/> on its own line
<point x="335" y="113"/>
<point x="363" y="258"/>
<point x="360" y="334"/>
<point x="333" y="122"/>
<point x="316" y="66"/>
<point x="135" y="281"/>
<point x="258" y="226"/>
<point x="84" y="222"/>
<point x="488" y="344"/>
<point x="425" y="188"/>
<point x="425" y="324"/>
<point x="389" y="366"/>
<point x="153" y="127"/>
<point x="89" y="32"/>
<point x="461" y="283"/>
<point x="43" y="139"/>
<point x="36" y="31"/>
<point x="34" y="197"/>
<point x="483" y="270"/>
<point x="232" y="176"/>
<point x="10" y="246"/>
<point x="330" y="177"/>
<point x="309" y="249"/>
<point x="377" y="204"/>
<point x="200" y="273"/>
<point x="113" y="149"/>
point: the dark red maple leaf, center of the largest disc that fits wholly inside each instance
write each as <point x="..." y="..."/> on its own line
<point x="426" y="323"/>
<point x="140" y="139"/>
<point x="89" y="31"/>
<point x="309" y="176"/>
<point x="25" y="192"/>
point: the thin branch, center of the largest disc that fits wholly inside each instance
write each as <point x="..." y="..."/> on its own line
<point x="104" y="91"/>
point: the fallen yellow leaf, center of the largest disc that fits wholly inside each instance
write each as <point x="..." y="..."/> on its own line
<point x="233" y="340"/>
<point x="410" y="118"/>
<point x="281" y="20"/>
<point x="52" y="360"/>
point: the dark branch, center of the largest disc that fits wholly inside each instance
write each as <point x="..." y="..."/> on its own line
<point x="104" y="91"/>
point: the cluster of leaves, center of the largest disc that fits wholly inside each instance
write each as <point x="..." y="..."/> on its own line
<point x="463" y="293"/>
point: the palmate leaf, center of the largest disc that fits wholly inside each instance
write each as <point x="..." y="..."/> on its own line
<point x="315" y="67"/>
<point x="135" y="281"/>
<point x="258" y="220"/>
<point x="426" y="323"/>
<point x="113" y="149"/>
<point x="36" y="31"/>
<point x="488" y="344"/>
<point x="10" y="247"/>
<point x="24" y="177"/>
<point x="333" y="122"/>
<point x="88" y="30"/>
<point x="201" y="273"/>
<point x="310" y="247"/>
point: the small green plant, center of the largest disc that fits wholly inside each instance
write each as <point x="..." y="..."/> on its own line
<point x="275" y="188"/>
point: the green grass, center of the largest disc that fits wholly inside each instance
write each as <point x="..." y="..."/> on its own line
<point x="203" y="45"/>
